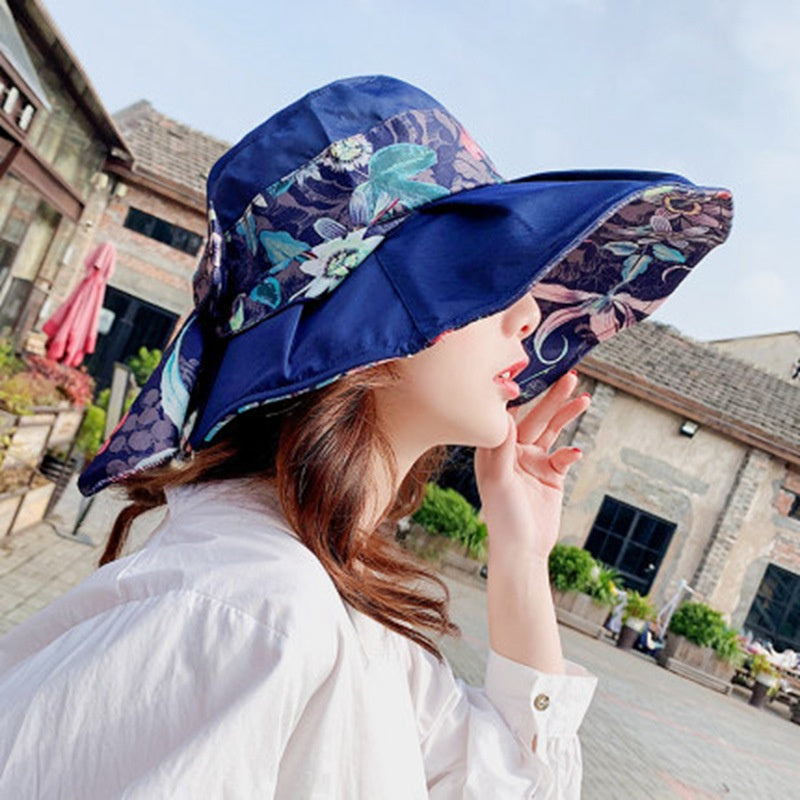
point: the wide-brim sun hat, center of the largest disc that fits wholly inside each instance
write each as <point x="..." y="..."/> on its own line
<point x="362" y="222"/>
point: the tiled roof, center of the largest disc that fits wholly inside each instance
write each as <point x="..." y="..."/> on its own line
<point x="655" y="361"/>
<point x="165" y="148"/>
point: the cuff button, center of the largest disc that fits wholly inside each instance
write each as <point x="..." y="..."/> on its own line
<point x="541" y="702"/>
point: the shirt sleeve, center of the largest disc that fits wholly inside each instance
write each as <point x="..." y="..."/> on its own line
<point x="517" y="737"/>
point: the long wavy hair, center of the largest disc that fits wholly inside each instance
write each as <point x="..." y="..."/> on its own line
<point x="316" y="449"/>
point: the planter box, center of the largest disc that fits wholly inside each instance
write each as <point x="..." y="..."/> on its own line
<point x="65" y="428"/>
<point x="29" y="440"/>
<point x="578" y="610"/>
<point x="33" y="507"/>
<point x="700" y="664"/>
<point x="627" y="636"/>
<point x="446" y="554"/>
<point x="9" y="504"/>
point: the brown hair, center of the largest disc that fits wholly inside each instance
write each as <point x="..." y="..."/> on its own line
<point x="317" y="448"/>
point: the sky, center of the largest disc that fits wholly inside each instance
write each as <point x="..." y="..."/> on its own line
<point x="706" y="88"/>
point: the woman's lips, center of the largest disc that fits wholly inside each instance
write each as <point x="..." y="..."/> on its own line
<point x="506" y="379"/>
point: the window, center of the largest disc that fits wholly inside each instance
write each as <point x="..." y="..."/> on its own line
<point x="775" y="613"/>
<point x="630" y="540"/>
<point x="794" y="509"/>
<point x="163" y="231"/>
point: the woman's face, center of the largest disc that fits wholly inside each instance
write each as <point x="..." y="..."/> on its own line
<point x="456" y="391"/>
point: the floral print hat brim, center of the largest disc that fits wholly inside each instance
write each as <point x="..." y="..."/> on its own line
<point x="362" y="222"/>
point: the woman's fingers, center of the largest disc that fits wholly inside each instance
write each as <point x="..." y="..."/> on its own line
<point x="574" y="408"/>
<point x="564" y="458"/>
<point x="541" y="418"/>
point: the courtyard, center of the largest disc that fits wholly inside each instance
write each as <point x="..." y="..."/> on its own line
<point x="648" y="734"/>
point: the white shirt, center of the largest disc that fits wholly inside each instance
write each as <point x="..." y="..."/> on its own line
<point x="220" y="662"/>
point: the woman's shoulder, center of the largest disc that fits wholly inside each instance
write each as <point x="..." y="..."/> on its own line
<point x="225" y="545"/>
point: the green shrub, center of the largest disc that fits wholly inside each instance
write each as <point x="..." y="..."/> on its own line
<point x="90" y="435"/>
<point x="603" y="584"/>
<point x="728" y="648"/>
<point x="699" y="623"/>
<point x="10" y="362"/>
<point x="638" y="607"/>
<point x="143" y="363"/>
<point x="570" y="568"/>
<point x="447" y="513"/>
<point x="759" y="664"/>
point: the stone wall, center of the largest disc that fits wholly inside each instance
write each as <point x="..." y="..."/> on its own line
<point x="146" y="268"/>
<point x="633" y="451"/>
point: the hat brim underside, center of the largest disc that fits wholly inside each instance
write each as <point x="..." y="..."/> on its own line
<point x="600" y="251"/>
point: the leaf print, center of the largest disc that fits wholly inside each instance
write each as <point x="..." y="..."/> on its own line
<point x="390" y="179"/>
<point x="246" y="227"/>
<point x="403" y="159"/>
<point x="329" y="228"/>
<point x="668" y="254"/>
<point x="281" y="248"/>
<point x="634" y="266"/>
<point x="621" y="248"/>
<point x="281" y="186"/>
<point x="268" y="293"/>
<point x="174" y="395"/>
<point x="237" y="318"/>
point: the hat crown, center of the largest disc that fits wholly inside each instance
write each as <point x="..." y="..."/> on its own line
<point x="304" y="199"/>
<point x="298" y="133"/>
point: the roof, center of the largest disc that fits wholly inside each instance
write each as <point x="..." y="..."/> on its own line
<point x="164" y="148"/>
<point x="13" y="48"/>
<point x="655" y="362"/>
<point x="32" y="16"/>
<point x="780" y="335"/>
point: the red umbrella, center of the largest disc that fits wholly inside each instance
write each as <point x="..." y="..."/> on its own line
<point x="72" y="330"/>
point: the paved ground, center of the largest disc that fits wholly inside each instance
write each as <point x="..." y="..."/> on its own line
<point x="649" y="734"/>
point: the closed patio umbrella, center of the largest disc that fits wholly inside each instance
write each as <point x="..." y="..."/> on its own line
<point x="72" y="330"/>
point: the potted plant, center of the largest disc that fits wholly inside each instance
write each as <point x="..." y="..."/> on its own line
<point x="583" y="589"/>
<point x="699" y="638"/>
<point x="766" y="679"/>
<point x="637" y="613"/>
<point x="446" y="530"/>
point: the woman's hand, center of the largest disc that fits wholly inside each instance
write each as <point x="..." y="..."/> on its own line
<point x="521" y="482"/>
<point x="522" y="485"/>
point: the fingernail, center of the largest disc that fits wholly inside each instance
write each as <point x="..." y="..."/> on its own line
<point x="585" y="394"/>
<point x="573" y="372"/>
<point x="577" y="450"/>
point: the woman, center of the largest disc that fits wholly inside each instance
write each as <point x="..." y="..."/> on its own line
<point x="371" y="290"/>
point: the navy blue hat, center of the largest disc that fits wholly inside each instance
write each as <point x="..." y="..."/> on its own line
<point x="360" y="223"/>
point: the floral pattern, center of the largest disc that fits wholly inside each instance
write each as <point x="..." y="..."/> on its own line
<point x="300" y="237"/>
<point x="620" y="274"/>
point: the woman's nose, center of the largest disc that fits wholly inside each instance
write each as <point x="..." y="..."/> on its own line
<point x="529" y="315"/>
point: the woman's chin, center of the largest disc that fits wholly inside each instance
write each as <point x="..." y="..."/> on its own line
<point x="490" y="437"/>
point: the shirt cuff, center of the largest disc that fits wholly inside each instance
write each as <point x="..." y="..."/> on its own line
<point x="535" y="703"/>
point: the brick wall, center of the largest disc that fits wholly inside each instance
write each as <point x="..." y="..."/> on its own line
<point x="145" y="267"/>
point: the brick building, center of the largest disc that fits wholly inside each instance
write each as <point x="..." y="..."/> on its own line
<point x="156" y="218"/>
<point x="691" y="471"/>
<point x="55" y="137"/>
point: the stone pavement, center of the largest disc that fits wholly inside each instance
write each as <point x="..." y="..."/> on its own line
<point x="37" y="565"/>
<point x="649" y="734"/>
